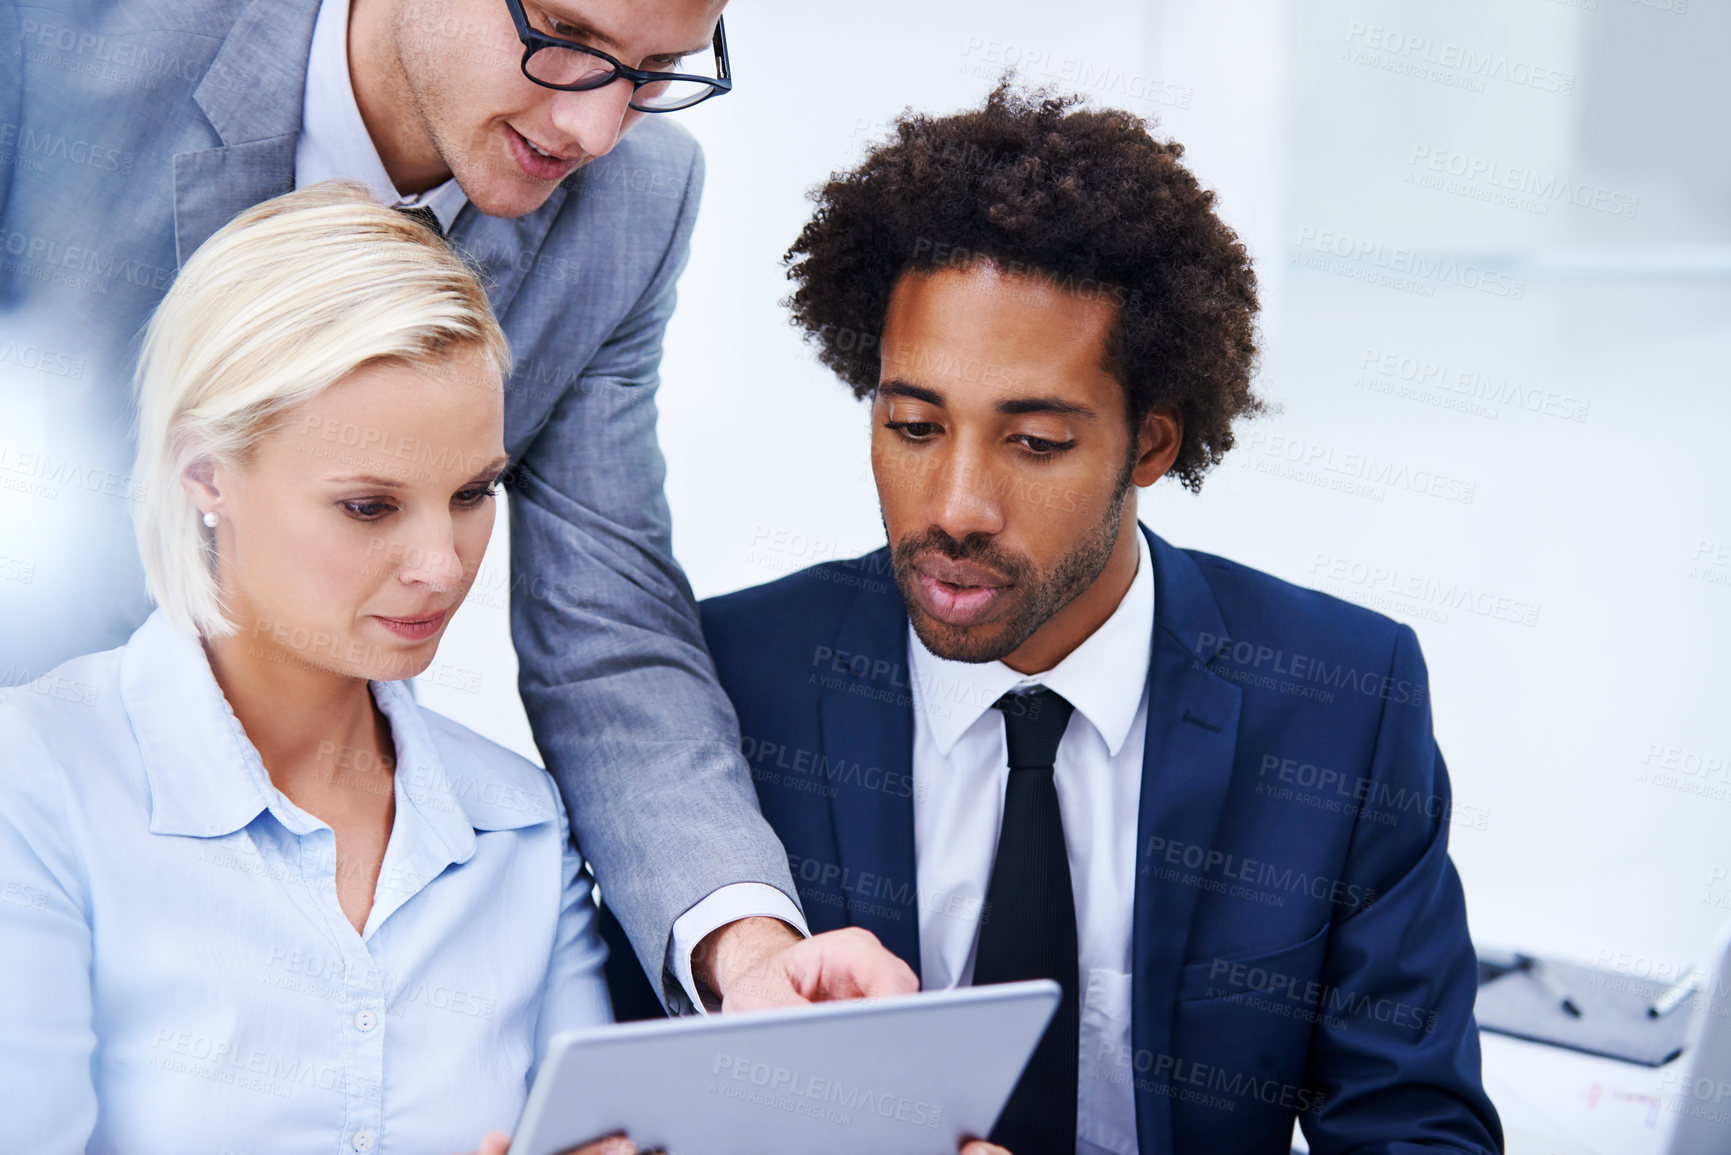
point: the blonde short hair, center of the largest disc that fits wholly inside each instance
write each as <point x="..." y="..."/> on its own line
<point x="284" y="301"/>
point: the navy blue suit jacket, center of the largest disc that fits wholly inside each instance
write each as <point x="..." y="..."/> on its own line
<point x="1300" y="933"/>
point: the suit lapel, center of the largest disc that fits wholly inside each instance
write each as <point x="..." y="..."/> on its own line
<point x="505" y="249"/>
<point x="11" y="83"/>
<point x="1186" y="771"/>
<point x="213" y="187"/>
<point x="866" y="732"/>
<point x="252" y="94"/>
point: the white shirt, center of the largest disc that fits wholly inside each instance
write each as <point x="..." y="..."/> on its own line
<point x="334" y="143"/>
<point x="961" y="766"/>
<point x="179" y="975"/>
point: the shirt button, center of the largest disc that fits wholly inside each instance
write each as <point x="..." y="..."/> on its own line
<point x="366" y="1021"/>
<point x="362" y="1141"/>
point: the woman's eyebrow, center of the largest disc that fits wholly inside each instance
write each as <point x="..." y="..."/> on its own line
<point x="366" y="479"/>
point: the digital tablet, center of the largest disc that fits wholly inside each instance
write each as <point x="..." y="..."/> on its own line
<point x="910" y="1075"/>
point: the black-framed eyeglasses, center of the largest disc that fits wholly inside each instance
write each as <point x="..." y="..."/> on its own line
<point x="571" y="67"/>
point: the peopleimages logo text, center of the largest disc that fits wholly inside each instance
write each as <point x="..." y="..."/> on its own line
<point x="1414" y="263"/>
<point x="831" y="1092"/>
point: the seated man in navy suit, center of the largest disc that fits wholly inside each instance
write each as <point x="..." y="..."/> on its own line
<point x="1032" y="739"/>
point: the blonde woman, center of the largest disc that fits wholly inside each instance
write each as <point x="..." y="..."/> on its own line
<point x="255" y="898"/>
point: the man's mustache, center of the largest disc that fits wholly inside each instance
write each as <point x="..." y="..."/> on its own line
<point x="976" y="547"/>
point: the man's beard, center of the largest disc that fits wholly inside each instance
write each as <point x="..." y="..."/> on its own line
<point x="1037" y="596"/>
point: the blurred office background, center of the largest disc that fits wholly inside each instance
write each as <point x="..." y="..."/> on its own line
<point x="1494" y="240"/>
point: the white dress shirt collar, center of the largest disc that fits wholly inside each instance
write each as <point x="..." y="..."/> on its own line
<point x="206" y="777"/>
<point x="334" y="142"/>
<point x="1102" y="678"/>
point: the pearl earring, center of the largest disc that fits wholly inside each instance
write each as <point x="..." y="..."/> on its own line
<point x="210" y="520"/>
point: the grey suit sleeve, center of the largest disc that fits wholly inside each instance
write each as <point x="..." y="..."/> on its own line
<point x="618" y="686"/>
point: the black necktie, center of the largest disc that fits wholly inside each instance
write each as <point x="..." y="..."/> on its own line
<point x="423" y="214"/>
<point x="1029" y="930"/>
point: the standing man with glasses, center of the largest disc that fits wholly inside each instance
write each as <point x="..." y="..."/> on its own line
<point x="526" y="132"/>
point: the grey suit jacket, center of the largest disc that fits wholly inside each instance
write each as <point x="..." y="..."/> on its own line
<point x="131" y="130"/>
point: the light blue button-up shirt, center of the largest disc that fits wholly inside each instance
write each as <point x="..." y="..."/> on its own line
<point x="176" y="975"/>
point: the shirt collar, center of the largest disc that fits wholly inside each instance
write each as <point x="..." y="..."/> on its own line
<point x="334" y="143"/>
<point x="952" y="696"/>
<point x="205" y="776"/>
<point x="207" y="780"/>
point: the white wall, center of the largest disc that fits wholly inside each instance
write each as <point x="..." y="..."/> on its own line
<point x="1612" y="533"/>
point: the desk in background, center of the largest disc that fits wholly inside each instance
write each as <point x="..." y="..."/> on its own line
<point x="1559" y="1102"/>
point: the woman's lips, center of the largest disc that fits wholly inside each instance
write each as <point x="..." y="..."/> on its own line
<point x="956" y="603"/>
<point x="533" y="163"/>
<point x="413" y="629"/>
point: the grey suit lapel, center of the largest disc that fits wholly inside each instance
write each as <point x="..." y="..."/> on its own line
<point x="505" y="249"/>
<point x="252" y="95"/>
<point x="11" y="81"/>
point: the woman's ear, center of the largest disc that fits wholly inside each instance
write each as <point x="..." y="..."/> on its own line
<point x="199" y="480"/>
<point x="1157" y="445"/>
